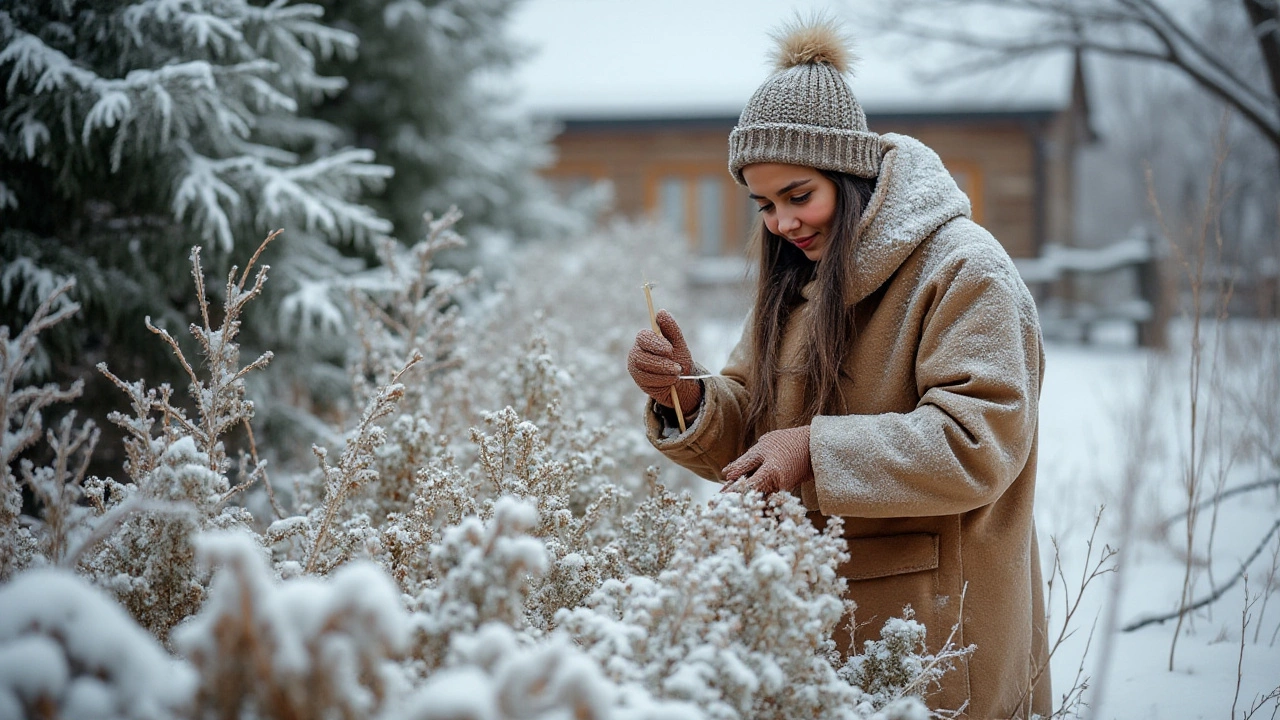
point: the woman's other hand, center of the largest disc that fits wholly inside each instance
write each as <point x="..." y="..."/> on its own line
<point x="656" y="363"/>
<point x="778" y="462"/>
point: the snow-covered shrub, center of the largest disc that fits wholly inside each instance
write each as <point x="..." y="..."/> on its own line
<point x="58" y="484"/>
<point x="178" y="468"/>
<point x="899" y="665"/>
<point x="67" y="650"/>
<point x="527" y="548"/>
<point x="739" y="621"/>
<point x="330" y="533"/>
<point x="496" y="674"/>
<point x="304" y="648"/>
<point x="515" y="460"/>
<point x="484" y="571"/>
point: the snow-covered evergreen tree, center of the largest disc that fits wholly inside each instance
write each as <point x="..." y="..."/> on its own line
<point x="130" y="131"/>
<point x="423" y="94"/>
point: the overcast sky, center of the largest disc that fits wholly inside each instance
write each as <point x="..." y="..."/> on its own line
<point x="661" y="57"/>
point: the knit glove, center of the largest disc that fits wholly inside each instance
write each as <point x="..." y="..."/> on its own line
<point x="778" y="462"/>
<point x="656" y="362"/>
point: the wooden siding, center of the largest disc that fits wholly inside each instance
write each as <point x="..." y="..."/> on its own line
<point x="1017" y="171"/>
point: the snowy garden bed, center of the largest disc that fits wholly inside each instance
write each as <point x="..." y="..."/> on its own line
<point x="487" y="541"/>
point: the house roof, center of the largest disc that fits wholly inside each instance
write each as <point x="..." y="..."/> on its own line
<point x="615" y="59"/>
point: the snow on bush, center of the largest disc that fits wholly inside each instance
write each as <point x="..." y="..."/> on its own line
<point x="496" y="674"/>
<point x="302" y="648"/>
<point x="21" y="415"/>
<point x="484" y="540"/>
<point x="68" y="650"/>
<point x="739" y="619"/>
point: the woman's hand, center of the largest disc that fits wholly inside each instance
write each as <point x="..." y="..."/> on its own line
<point x="656" y="363"/>
<point x="778" y="462"/>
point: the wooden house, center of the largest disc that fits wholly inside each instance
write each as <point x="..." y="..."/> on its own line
<point x="657" y="129"/>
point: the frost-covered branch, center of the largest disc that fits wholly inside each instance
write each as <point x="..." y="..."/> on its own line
<point x="355" y="465"/>
<point x="20" y="406"/>
<point x="21" y="423"/>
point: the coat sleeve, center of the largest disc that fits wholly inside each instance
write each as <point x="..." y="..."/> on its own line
<point x="715" y="437"/>
<point x="978" y="367"/>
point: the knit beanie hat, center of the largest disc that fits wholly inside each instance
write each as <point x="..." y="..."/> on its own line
<point x="805" y="113"/>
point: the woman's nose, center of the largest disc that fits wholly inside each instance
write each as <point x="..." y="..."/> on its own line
<point x="787" y="223"/>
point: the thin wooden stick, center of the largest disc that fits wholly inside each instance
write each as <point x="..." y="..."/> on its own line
<point x="653" y="323"/>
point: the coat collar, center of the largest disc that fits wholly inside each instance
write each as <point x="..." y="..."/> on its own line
<point x="914" y="196"/>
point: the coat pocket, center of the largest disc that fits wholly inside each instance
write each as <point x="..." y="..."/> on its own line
<point x="887" y="573"/>
<point x="876" y="557"/>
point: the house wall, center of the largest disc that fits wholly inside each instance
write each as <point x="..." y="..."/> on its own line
<point x="677" y="171"/>
<point x="995" y="163"/>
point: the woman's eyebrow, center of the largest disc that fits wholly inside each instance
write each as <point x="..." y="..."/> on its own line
<point x="785" y="189"/>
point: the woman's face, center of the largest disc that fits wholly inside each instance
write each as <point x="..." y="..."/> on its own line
<point x="798" y="203"/>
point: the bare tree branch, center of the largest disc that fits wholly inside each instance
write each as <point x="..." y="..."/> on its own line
<point x="1134" y="29"/>
<point x="1166" y="27"/>
<point x="1265" y="19"/>
<point x="1213" y="596"/>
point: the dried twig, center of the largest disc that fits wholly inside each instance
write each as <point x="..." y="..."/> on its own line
<point x="1090" y="570"/>
<point x="353" y="469"/>
<point x="20" y="408"/>
<point x="1212" y="596"/>
<point x="1244" y="626"/>
<point x="1219" y="497"/>
<point x="1268" y="587"/>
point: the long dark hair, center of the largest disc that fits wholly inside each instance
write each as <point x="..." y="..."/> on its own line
<point x="783" y="271"/>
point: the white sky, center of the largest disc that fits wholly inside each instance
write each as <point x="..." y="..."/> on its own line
<point x="661" y="57"/>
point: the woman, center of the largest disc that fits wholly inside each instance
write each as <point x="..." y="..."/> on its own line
<point x="889" y="374"/>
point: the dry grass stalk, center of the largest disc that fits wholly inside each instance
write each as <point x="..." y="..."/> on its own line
<point x="1203" y="232"/>
<point x="1091" y="569"/>
<point x="1268" y="588"/>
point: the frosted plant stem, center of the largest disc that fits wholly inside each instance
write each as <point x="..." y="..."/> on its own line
<point x="1226" y="457"/>
<point x="257" y="465"/>
<point x="347" y="476"/>
<point x="1090" y="571"/>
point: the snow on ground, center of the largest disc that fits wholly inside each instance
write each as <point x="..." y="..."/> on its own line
<point x="1093" y="398"/>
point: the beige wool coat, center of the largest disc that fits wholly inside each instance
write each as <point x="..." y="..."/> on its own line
<point x="932" y="460"/>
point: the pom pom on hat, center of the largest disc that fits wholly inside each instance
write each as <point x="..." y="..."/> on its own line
<point x="816" y="40"/>
<point x="805" y="113"/>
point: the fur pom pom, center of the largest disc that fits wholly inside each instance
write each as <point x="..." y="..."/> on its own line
<point x="819" y="39"/>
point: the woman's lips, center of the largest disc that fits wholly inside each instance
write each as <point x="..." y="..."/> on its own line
<point x="804" y="242"/>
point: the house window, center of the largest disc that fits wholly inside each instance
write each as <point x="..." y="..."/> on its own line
<point x="693" y="203"/>
<point x="699" y="201"/>
<point x="671" y="203"/>
<point x="710" y="216"/>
